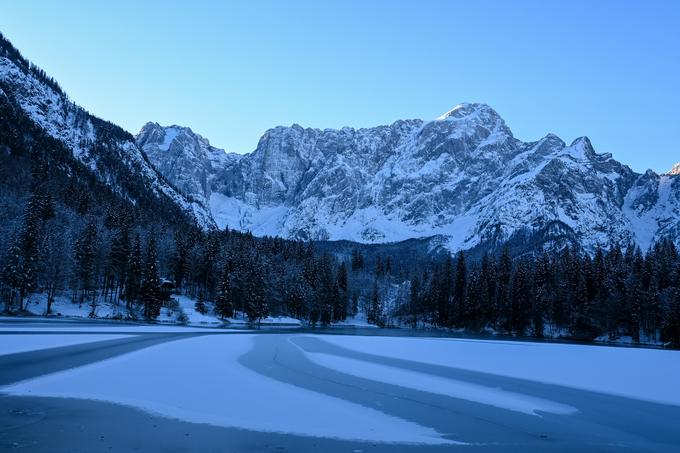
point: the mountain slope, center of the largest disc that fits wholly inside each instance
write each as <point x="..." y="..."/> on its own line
<point x="463" y="176"/>
<point x="104" y="150"/>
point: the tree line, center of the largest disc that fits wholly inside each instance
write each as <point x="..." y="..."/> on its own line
<point x="112" y="259"/>
<point x="554" y="293"/>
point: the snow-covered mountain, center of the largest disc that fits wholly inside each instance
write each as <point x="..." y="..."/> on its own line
<point x="106" y="150"/>
<point x="463" y="177"/>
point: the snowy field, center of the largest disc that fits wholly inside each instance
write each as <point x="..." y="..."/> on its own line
<point x="183" y="313"/>
<point x="12" y="344"/>
<point x="63" y="306"/>
<point x="644" y="374"/>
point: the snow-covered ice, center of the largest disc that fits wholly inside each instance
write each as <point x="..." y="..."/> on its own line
<point x="433" y="384"/>
<point x="209" y="385"/>
<point x="115" y="329"/>
<point x="643" y="374"/>
<point x="12" y="344"/>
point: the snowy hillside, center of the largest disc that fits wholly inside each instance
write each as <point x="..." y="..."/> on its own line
<point x="463" y="176"/>
<point x="109" y="152"/>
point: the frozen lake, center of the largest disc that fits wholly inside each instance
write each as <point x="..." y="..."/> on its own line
<point x="188" y="390"/>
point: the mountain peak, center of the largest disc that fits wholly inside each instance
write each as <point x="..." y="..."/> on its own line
<point x="675" y="170"/>
<point x="467" y="109"/>
<point x="582" y="144"/>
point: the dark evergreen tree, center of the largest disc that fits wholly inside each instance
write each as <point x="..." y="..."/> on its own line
<point x="502" y="313"/>
<point x="255" y="304"/>
<point x="85" y="255"/>
<point x="150" y="293"/>
<point x="224" y="303"/>
<point x="13" y="276"/>
<point x="357" y="260"/>
<point x="520" y="301"/>
<point x="459" y="288"/>
<point x="375" y="312"/>
<point x="414" y="303"/>
<point x="133" y="282"/>
<point x="671" y="324"/>
<point x="200" y="305"/>
<point x="118" y="258"/>
<point x="341" y="294"/>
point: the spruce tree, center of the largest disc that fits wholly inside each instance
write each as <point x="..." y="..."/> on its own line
<point x="224" y="304"/>
<point x="13" y="275"/>
<point x="671" y="320"/>
<point x="503" y="291"/>
<point x="179" y="260"/>
<point x="85" y="255"/>
<point x="414" y="302"/>
<point x="298" y="295"/>
<point x="134" y="273"/>
<point x="444" y="293"/>
<point x="118" y="258"/>
<point x="375" y="312"/>
<point x="150" y="290"/>
<point x="357" y="260"/>
<point x="473" y="304"/>
<point x="342" y="298"/>
<point x="256" y="306"/>
<point x="459" y="288"/>
<point x="200" y="305"/>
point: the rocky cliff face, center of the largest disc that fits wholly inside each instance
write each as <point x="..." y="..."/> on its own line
<point x="463" y="176"/>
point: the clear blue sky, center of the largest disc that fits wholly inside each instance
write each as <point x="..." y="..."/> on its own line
<point x="606" y="69"/>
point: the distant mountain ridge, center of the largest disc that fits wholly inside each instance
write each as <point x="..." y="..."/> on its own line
<point x="463" y="177"/>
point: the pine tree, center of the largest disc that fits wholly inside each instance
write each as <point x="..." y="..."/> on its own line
<point x="254" y="295"/>
<point x="487" y="298"/>
<point x="459" y="288"/>
<point x="414" y="302"/>
<point x="297" y="296"/>
<point x="326" y="289"/>
<point x="150" y="291"/>
<point x="39" y="209"/>
<point x="342" y="298"/>
<point x="444" y="294"/>
<point x="13" y="275"/>
<point x="85" y="255"/>
<point x="473" y="304"/>
<point x="55" y="265"/>
<point x="357" y="260"/>
<point x="379" y="267"/>
<point x="543" y="289"/>
<point x="179" y="260"/>
<point x="224" y="304"/>
<point x="375" y="312"/>
<point x="520" y="299"/>
<point x="671" y="324"/>
<point x="118" y="258"/>
<point x="134" y="273"/>
<point x="502" y="307"/>
<point x="200" y="305"/>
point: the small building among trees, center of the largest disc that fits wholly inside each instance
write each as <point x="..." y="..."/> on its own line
<point x="167" y="288"/>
